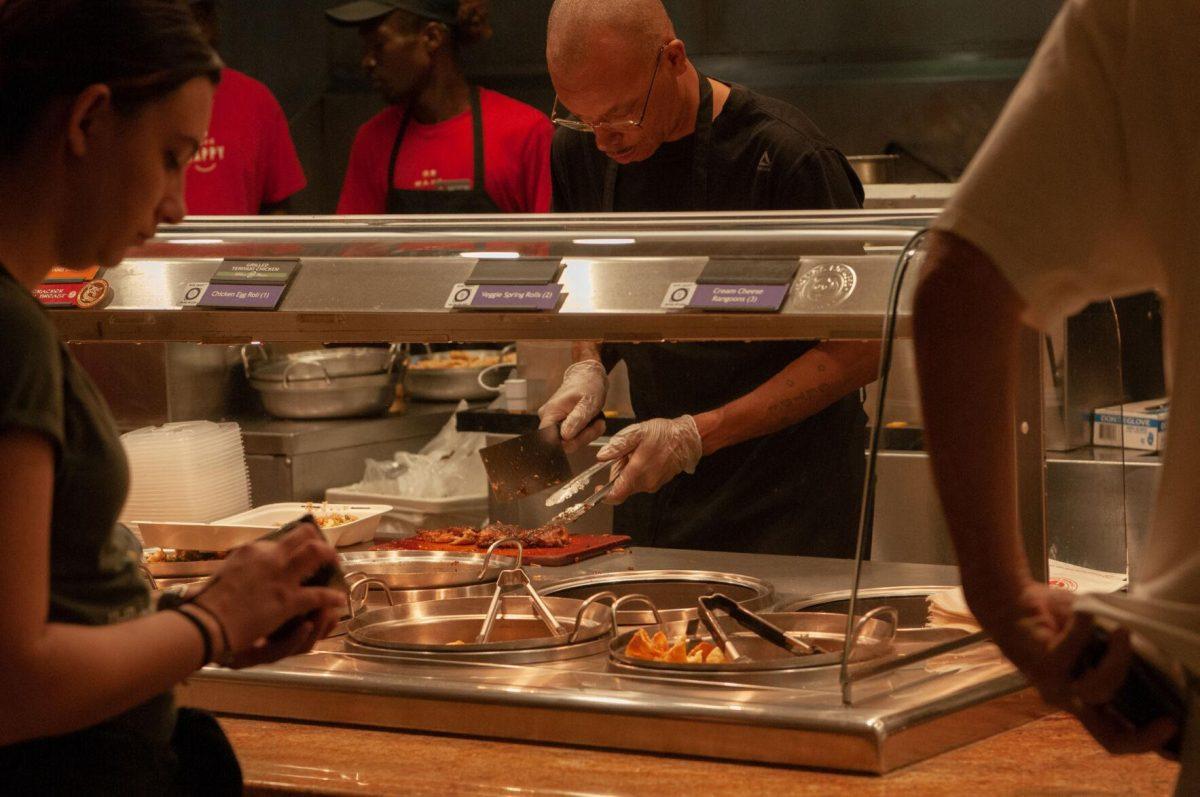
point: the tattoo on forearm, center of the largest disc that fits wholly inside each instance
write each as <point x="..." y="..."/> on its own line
<point x="819" y="393"/>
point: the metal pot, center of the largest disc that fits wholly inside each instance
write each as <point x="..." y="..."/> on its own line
<point x="320" y="364"/>
<point x="324" y="383"/>
<point x="345" y="397"/>
<point x="453" y="384"/>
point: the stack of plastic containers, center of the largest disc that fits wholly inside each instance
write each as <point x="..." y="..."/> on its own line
<point x="191" y="472"/>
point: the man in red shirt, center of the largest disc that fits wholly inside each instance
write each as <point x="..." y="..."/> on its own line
<point x="247" y="163"/>
<point x="443" y="145"/>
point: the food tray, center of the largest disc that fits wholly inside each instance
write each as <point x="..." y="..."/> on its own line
<point x="407" y="515"/>
<point x="181" y="569"/>
<point x="218" y="536"/>
<point x="276" y="515"/>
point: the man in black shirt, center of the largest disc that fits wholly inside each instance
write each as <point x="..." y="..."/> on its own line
<point x="740" y="446"/>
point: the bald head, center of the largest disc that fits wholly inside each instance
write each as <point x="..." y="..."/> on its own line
<point x="637" y="28"/>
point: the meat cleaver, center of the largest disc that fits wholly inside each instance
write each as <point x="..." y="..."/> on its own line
<point x="526" y="464"/>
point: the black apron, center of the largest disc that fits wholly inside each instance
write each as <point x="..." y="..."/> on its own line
<point x="793" y="492"/>
<point x="476" y="200"/>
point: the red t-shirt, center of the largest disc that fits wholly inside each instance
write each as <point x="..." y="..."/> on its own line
<point x="247" y="160"/>
<point x="516" y="157"/>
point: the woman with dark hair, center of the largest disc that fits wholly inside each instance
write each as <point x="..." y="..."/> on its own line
<point x="102" y="105"/>
<point x="442" y="145"/>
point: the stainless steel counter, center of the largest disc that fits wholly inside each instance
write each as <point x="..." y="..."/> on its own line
<point x="299" y="460"/>
<point x="908" y="715"/>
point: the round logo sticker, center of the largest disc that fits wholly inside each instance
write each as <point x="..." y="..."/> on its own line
<point x="826" y="285"/>
<point x="92" y="294"/>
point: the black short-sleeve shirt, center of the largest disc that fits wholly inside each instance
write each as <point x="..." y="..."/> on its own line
<point x="94" y="578"/>
<point x="795" y="491"/>
<point x="766" y="155"/>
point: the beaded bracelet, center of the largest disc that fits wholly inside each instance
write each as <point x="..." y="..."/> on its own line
<point x="226" y="657"/>
<point x="205" y="636"/>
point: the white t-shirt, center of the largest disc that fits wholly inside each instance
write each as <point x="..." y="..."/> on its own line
<point x="1089" y="187"/>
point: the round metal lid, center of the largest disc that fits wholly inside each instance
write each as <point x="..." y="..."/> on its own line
<point x="674" y="592"/>
<point x="450" y="626"/>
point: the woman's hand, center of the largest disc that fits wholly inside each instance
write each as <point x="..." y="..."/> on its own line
<point x="258" y="589"/>
<point x="1044" y="637"/>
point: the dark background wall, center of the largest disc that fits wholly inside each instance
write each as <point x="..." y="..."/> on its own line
<point x="922" y="78"/>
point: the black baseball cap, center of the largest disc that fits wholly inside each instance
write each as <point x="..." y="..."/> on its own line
<point x="361" y="12"/>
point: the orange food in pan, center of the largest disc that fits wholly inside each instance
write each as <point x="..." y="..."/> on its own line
<point x="659" y="648"/>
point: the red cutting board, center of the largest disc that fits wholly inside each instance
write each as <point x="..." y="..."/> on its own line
<point x="582" y="546"/>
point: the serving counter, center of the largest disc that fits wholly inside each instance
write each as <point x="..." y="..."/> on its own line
<point x="624" y="278"/>
<point x="905" y="716"/>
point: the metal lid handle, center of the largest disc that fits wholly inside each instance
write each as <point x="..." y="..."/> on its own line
<point x="287" y="371"/>
<point x="487" y="560"/>
<point x="258" y="347"/>
<point x="861" y="625"/>
<point x="367" y="582"/>
<point x="588" y="603"/>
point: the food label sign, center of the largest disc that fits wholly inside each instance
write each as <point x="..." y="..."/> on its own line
<point x="255" y="272"/>
<point x="242" y="297"/>
<point x="504" y="297"/>
<point x="725" y="298"/>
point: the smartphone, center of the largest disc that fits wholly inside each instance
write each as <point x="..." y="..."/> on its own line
<point x="1146" y="694"/>
<point x="329" y="575"/>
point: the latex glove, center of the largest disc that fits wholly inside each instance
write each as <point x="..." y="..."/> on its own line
<point x="578" y="400"/>
<point x="651" y="453"/>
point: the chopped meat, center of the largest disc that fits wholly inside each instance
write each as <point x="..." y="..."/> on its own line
<point x="451" y="535"/>
<point x="544" y="537"/>
<point x="549" y="537"/>
<point x="498" y="531"/>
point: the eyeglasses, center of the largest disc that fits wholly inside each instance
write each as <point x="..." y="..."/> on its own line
<point x="610" y="127"/>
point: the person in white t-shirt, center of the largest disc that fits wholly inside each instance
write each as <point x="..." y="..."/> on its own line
<point x="1088" y="187"/>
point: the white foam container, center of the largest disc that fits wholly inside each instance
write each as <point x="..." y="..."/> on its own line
<point x="198" y="536"/>
<point x="275" y="515"/>
<point x="406" y="516"/>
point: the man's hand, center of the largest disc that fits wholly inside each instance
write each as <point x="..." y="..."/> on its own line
<point x="1044" y="637"/>
<point x="578" y="400"/>
<point x="651" y="454"/>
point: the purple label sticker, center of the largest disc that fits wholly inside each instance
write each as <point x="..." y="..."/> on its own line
<point x="516" y="297"/>
<point x="243" y="297"/>
<point x="733" y="298"/>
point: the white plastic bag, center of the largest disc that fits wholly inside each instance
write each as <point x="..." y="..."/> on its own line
<point x="448" y="465"/>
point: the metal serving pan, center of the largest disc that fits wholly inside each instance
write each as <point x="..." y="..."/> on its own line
<point x="448" y="628"/>
<point x="909" y="602"/>
<point x="826" y="632"/>
<point x="674" y="592"/>
<point x="323" y="364"/>
<point x="423" y="570"/>
<point x="340" y="397"/>
<point x="450" y="384"/>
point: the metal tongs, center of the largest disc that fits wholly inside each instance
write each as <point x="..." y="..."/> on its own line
<point x="516" y="580"/>
<point x="751" y="622"/>
<point x="572" y="488"/>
